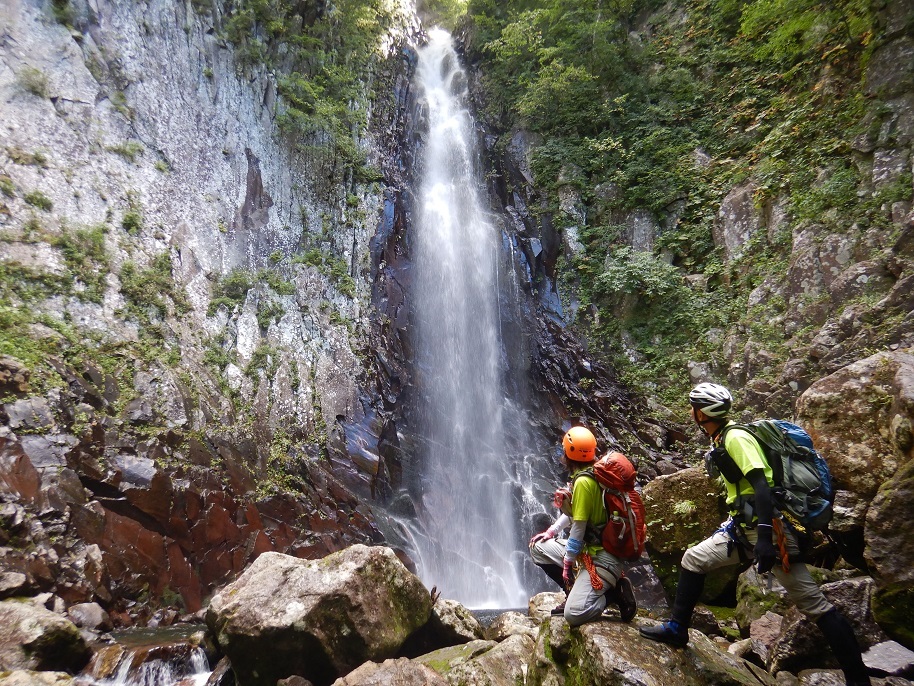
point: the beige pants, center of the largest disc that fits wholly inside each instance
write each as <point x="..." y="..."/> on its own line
<point x="583" y="604"/>
<point x="714" y="552"/>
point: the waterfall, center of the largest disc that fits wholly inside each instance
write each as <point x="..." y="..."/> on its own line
<point x="467" y="545"/>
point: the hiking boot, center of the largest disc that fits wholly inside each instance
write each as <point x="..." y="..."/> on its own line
<point x="667" y="632"/>
<point x="558" y="609"/>
<point x="625" y="598"/>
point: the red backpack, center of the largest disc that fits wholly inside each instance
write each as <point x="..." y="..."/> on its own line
<point x="625" y="530"/>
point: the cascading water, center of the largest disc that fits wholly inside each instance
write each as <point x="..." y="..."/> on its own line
<point x="468" y="531"/>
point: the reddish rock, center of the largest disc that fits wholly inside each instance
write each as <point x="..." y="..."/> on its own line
<point x="17" y="474"/>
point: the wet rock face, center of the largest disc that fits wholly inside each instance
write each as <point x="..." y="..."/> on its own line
<point x="317" y="619"/>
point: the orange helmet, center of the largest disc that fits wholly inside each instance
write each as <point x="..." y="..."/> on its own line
<point x="580" y="444"/>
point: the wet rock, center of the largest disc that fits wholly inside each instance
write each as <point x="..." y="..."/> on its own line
<point x="20" y="677"/>
<point x="18" y="475"/>
<point x="105" y="662"/>
<point x="318" y="619"/>
<point x="90" y="616"/>
<point x="399" y="672"/>
<point x="599" y="652"/>
<point x="511" y="623"/>
<point x="223" y="675"/>
<point x="295" y="680"/>
<point x="446" y="659"/>
<point x="33" y="638"/>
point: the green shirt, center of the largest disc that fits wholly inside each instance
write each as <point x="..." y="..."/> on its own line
<point x="587" y="506"/>
<point x="747" y="454"/>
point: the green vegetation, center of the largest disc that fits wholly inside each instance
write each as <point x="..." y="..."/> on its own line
<point x="231" y="289"/>
<point x="721" y="92"/>
<point x="39" y="200"/>
<point x="265" y="357"/>
<point x="145" y="289"/>
<point x="19" y="156"/>
<point x="34" y="81"/>
<point x="320" y="52"/>
<point x="132" y="221"/>
<point x="86" y="258"/>
<point x="333" y="267"/>
<point x="7" y="187"/>
<point x="129" y="150"/>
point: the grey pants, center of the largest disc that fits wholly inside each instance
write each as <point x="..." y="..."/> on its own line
<point x="583" y="604"/>
<point x="712" y="553"/>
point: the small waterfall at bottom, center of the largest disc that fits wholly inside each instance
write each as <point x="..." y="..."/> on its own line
<point x="162" y="657"/>
<point x="466" y="540"/>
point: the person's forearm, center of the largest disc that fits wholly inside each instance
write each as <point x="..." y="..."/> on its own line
<point x="764" y="508"/>
<point x="575" y="539"/>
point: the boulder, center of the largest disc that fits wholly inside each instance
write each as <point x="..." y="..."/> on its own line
<point x="399" y="672"/>
<point x="613" y="654"/>
<point x="510" y="624"/>
<point x="319" y="619"/>
<point x="890" y="658"/>
<point x="890" y="555"/>
<point x="683" y="509"/>
<point x="450" y="624"/>
<point x="541" y="605"/>
<point x="33" y="638"/>
<point x="503" y="665"/>
<point x="90" y="616"/>
<point x="860" y="419"/>
<point x="754" y="599"/>
<point x="801" y="644"/>
<point x="444" y="660"/>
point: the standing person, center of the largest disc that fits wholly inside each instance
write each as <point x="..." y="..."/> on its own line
<point x="588" y="516"/>
<point x="748" y="533"/>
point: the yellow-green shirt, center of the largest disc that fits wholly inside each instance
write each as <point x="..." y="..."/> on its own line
<point x="587" y="505"/>
<point x="748" y="455"/>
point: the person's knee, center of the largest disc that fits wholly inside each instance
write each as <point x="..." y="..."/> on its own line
<point x="693" y="562"/>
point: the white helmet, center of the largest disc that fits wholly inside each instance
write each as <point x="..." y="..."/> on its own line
<point x="712" y="399"/>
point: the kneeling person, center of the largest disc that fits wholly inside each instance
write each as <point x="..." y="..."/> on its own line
<point x="557" y="557"/>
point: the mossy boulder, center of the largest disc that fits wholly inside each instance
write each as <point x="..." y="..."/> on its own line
<point x="33" y="638"/>
<point x="482" y="663"/>
<point x="614" y="654"/>
<point x="754" y="599"/>
<point x="683" y="509"/>
<point x="890" y="555"/>
<point x="319" y="619"/>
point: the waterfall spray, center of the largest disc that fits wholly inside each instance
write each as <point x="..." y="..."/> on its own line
<point x="468" y="528"/>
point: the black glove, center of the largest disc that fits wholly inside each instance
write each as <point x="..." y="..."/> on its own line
<point x="765" y="552"/>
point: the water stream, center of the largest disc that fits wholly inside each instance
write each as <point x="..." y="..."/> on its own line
<point x="467" y="545"/>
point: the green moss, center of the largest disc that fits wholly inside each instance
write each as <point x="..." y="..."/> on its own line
<point x="34" y="81"/>
<point x="129" y="150"/>
<point x="7" y="187"/>
<point x="39" y="200"/>
<point x="231" y="289"/>
<point x="86" y="258"/>
<point x="145" y="289"/>
<point x="893" y="608"/>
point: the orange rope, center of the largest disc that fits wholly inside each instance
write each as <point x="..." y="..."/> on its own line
<point x="595" y="579"/>
<point x="782" y="543"/>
